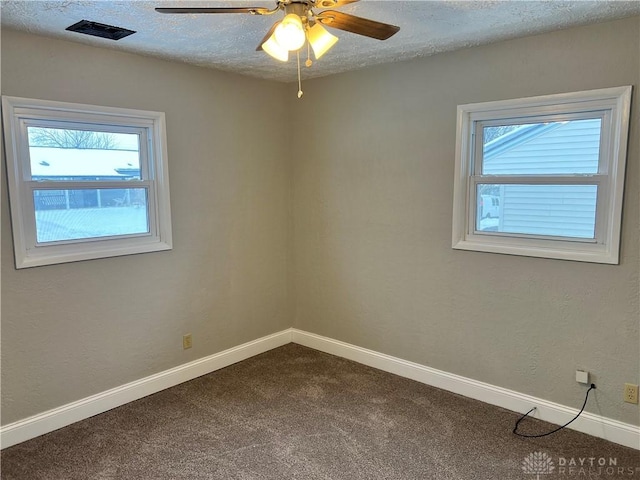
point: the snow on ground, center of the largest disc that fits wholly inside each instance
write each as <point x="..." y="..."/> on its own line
<point x="56" y="225"/>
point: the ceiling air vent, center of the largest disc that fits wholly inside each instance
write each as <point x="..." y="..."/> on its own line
<point x="100" y="30"/>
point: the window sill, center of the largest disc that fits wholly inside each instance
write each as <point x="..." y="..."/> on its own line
<point x="591" y="253"/>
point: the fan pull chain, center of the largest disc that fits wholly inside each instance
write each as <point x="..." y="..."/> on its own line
<point x="299" y="80"/>
<point x="308" y="63"/>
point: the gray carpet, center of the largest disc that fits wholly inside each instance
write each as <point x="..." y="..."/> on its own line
<point x="295" y="413"/>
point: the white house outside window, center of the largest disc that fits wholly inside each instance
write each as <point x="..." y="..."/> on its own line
<point x="85" y="181"/>
<point x="542" y="176"/>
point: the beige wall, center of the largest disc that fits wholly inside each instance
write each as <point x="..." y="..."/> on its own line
<point x="72" y="330"/>
<point x="373" y="188"/>
<point x="348" y="235"/>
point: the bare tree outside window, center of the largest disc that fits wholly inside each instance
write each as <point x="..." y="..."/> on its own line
<point x="489" y="135"/>
<point x="496" y="132"/>
<point x="78" y="139"/>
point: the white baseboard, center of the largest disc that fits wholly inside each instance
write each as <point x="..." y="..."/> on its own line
<point x="596" y="425"/>
<point x="56" y="418"/>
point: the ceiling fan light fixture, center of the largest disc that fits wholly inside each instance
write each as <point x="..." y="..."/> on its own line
<point x="321" y="40"/>
<point x="273" y="48"/>
<point x="290" y="33"/>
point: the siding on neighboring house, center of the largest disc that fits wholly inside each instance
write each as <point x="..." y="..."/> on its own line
<point x="50" y="164"/>
<point x="559" y="210"/>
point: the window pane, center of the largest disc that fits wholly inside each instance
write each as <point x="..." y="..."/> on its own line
<point x="571" y="147"/>
<point x="89" y="213"/>
<point x="83" y="155"/>
<point x="550" y="210"/>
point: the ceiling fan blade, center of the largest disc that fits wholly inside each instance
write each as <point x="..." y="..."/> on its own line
<point x="333" y="3"/>
<point x="353" y="24"/>
<point x="252" y="10"/>
<point x="266" y="37"/>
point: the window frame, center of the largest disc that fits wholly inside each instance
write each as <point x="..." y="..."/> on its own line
<point x="21" y="113"/>
<point x="613" y="105"/>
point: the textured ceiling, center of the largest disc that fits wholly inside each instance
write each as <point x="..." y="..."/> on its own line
<point x="228" y="41"/>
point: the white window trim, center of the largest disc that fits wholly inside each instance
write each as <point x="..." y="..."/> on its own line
<point x="616" y="102"/>
<point x="16" y="111"/>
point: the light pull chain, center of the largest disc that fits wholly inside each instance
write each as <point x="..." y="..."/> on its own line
<point x="299" y="80"/>
<point x="308" y="63"/>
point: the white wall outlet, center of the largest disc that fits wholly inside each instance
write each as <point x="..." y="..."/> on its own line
<point x="186" y="341"/>
<point x="582" y="376"/>
<point x="630" y="393"/>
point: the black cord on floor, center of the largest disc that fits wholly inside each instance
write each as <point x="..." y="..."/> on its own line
<point x="515" y="429"/>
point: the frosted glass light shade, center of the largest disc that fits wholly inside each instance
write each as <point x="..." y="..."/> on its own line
<point x="273" y="48"/>
<point x="290" y="33"/>
<point x="321" y="40"/>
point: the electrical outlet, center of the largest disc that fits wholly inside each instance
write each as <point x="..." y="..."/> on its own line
<point x="186" y="341"/>
<point x="630" y="393"/>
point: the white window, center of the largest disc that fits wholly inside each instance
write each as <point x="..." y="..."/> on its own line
<point x="85" y="181"/>
<point x="542" y="176"/>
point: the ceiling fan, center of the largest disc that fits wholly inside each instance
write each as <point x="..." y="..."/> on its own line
<point x="301" y="25"/>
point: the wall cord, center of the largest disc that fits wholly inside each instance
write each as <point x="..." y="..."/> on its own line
<point x="515" y="428"/>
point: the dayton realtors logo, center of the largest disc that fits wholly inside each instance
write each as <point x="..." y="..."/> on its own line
<point x="594" y="467"/>
<point x="538" y="463"/>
